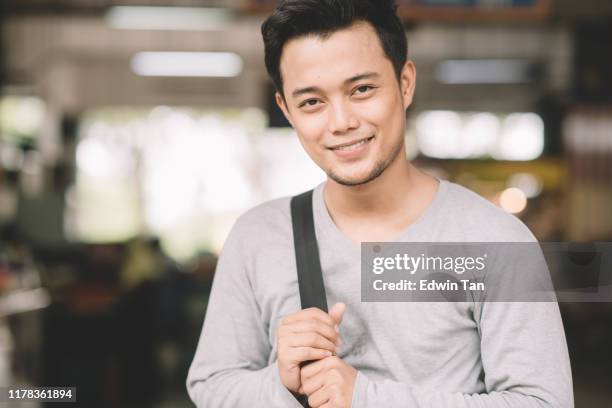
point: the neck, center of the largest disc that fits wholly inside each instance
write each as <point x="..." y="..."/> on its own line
<point x="386" y="195"/>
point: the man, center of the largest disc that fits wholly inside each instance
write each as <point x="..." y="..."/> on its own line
<point x="344" y="82"/>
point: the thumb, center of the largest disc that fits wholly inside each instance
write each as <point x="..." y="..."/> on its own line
<point x="337" y="312"/>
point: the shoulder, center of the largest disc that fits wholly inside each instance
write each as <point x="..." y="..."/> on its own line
<point x="480" y="219"/>
<point x="268" y="221"/>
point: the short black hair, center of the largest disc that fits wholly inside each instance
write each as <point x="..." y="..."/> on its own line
<point x="297" y="18"/>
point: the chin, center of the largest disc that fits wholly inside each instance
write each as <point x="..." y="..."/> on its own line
<point x="348" y="182"/>
<point x="356" y="178"/>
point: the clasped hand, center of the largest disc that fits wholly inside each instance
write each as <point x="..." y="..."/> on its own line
<point x="313" y="335"/>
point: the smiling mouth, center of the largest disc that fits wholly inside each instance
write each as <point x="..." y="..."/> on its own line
<point x="353" y="145"/>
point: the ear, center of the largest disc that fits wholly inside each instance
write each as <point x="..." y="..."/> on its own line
<point x="408" y="83"/>
<point x="280" y="101"/>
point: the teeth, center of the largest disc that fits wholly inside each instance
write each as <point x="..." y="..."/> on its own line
<point x="353" y="146"/>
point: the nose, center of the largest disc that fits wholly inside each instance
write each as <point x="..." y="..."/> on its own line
<point x="342" y="118"/>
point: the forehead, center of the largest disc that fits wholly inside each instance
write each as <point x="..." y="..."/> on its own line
<point x="314" y="60"/>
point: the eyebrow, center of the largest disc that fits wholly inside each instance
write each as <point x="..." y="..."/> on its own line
<point x="314" y="89"/>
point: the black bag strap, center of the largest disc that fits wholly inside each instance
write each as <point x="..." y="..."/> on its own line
<point x="310" y="276"/>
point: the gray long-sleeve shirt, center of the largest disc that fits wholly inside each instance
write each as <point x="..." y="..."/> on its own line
<point x="407" y="355"/>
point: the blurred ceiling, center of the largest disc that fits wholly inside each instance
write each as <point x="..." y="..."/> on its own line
<point x="583" y="9"/>
<point x="98" y="6"/>
<point x="564" y="9"/>
<point x="72" y="61"/>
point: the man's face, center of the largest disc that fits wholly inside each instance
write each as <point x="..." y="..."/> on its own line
<point x="344" y="101"/>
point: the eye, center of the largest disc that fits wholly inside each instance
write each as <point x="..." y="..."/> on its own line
<point x="363" y="89"/>
<point x="310" y="103"/>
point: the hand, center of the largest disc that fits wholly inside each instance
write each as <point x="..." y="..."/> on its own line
<point x="309" y="334"/>
<point x="329" y="383"/>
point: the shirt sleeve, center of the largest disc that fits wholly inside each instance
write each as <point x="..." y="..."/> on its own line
<point x="230" y="367"/>
<point x="525" y="361"/>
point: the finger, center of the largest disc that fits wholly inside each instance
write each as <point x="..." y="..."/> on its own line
<point x="307" y="314"/>
<point x="314" y="368"/>
<point x="313" y="340"/>
<point x="337" y="313"/>
<point x="313" y="384"/>
<point x="319" y="397"/>
<point x="309" y="326"/>
<point x="300" y="354"/>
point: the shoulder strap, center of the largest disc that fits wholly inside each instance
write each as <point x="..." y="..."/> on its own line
<point x="310" y="276"/>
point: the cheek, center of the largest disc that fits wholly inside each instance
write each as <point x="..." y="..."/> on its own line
<point x="311" y="129"/>
<point x="395" y="112"/>
<point x="310" y="132"/>
<point x="376" y="113"/>
<point x="385" y="113"/>
<point x="389" y="121"/>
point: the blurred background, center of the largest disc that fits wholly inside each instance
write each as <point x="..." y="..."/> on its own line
<point x="133" y="133"/>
